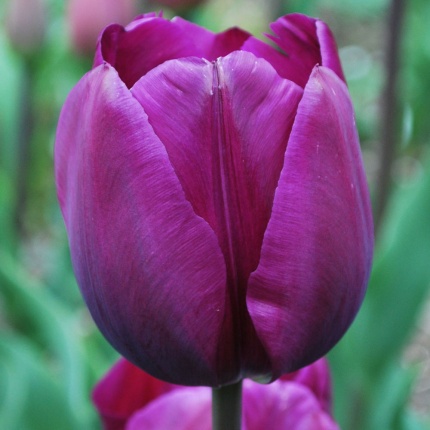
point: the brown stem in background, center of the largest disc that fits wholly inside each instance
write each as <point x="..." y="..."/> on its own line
<point x="390" y="109"/>
<point x="277" y="9"/>
<point x="25" y="131"/>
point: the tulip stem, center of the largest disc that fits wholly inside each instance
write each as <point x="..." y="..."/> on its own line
<point x="227" y="407"/>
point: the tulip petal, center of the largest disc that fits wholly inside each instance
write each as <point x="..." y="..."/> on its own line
<point x="283" y="405"/>
<point x="143" y="45"/>
<point x="123" y="391"/>
<point x="329" y="54"/>
<point x="150" y="41"/>
<point x="232" y="121"/>
<point x="283" y="64"/>
<point x="213" y="45"/>
<point x="183" y="409"/>
<point x="151" y="271"/>
<point x="317" y="378"/>
<point x="306" y="41"/>
<point x="317" y="249"/>
<point x="280" y="405"/>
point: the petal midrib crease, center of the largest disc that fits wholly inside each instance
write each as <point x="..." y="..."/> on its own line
<point x="234" y="116"/>
<point x="227" y="205"/>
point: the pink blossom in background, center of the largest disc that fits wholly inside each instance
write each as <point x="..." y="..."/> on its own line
<point x="87" y="18"/>
<point x="25" y="24"/>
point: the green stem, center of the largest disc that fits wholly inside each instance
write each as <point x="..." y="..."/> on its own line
<point x="227" y="407"/>
<point x="25" y="133"/>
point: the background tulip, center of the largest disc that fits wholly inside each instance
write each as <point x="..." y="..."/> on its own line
<point x="26" y="24"/>
<point x="214" y="197"/>
<point x="128" y="398"/>
<point x="87" y="18"/>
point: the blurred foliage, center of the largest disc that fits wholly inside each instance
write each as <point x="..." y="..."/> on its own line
<point x="51" y="354"/>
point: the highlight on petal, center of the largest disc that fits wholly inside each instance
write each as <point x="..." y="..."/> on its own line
<point x="182" y="409"/>
<point x="283" y="405"/>
<point x="138" y="249"/>
<point x="317" y="249"/>
<point x="232" y="123"/>
<point x="329" y="54"/>
<point x="123" y="391"/>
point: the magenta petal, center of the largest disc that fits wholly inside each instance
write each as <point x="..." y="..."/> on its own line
<point x="238" y="107"/>
<point x="295" y="34"/>
<point x="284" y="66"/>
<point x="123" y="391"/>
<point x="317" y="378"/>
<point x="316" y="254"/>
<point x="232" y="120"/>
<point x="143" y="45"/>
<point x="306" y="41"/>
<point x="150" y="41"/>
<point x="135" y="240"/>
<point x="183" y="409"/>
<point x="280" y="405"/>
<point x="328" y="47"/>
<point x="283" y="405"/>
<point x="213" y="45"/>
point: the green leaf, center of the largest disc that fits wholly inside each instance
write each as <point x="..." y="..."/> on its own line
<point x="32" y="313"/>
<point x="398" y="287"/>
<point x="31" y="397"/>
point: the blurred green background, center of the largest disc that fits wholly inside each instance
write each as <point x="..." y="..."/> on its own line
<point x="51" y="354"/>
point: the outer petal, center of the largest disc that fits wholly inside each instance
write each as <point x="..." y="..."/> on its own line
<point x="124" y="390"/>
<point x="141" y="46"/>
<point x="316" y="254"/>
<point x="306" y="41"/>
<point x="150" y="270"/>
<point x="328" y="47"/>
<point x="226" y="141"/>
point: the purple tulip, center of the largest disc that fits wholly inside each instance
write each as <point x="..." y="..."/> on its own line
<point x="128" y="398"/>
<point x="214" y="197"/>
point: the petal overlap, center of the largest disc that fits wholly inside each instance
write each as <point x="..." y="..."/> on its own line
<point x="316" y="253"/>
<point x="236" y="115"/>
<point x="120" y="222"/>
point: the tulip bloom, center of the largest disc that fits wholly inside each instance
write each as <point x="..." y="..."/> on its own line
<point x="128" y="398"/>
<point x="214" y="197"/>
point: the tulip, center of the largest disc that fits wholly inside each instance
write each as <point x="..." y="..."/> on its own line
<point x="214" y="198"/>
<point x="128" y="398"/>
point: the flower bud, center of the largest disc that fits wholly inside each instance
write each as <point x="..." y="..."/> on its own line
<point x="214" y="197"/>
